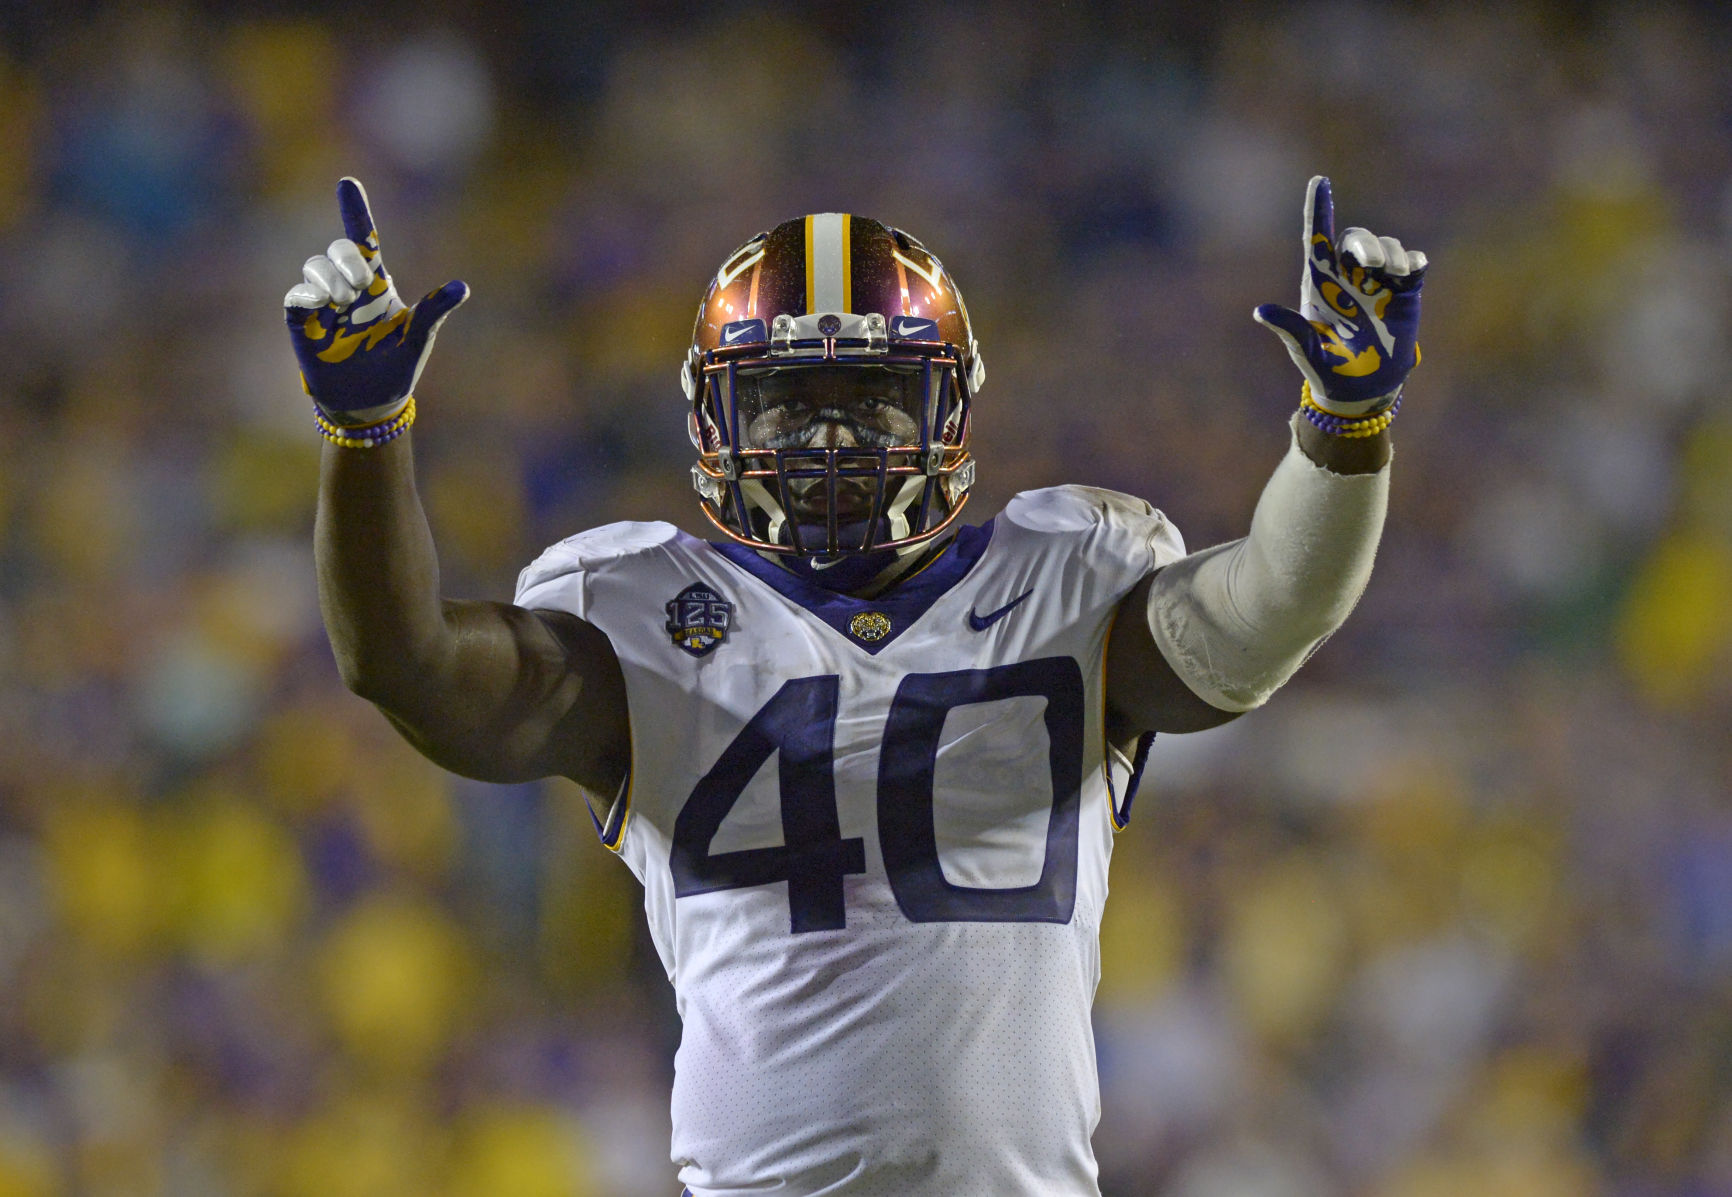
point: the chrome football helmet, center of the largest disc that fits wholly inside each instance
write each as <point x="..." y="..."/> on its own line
<point x="830" y="378"/>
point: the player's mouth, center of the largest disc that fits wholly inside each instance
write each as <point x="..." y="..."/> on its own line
<point x="806" y="500"/>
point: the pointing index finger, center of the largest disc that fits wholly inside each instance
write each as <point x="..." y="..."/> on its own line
<point x="357" y="217"/>
<point x="1319" y="210"/>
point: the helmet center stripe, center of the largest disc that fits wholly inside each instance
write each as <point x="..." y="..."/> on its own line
<point x="827" y="263"/>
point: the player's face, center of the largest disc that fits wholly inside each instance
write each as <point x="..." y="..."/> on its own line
<point x="830" y="407"/>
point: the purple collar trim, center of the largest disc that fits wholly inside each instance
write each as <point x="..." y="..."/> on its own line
<point x="870" y="624"/>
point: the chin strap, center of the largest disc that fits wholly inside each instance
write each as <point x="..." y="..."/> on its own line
<point x="897" y="512"/>
<point x="758" y="493"/>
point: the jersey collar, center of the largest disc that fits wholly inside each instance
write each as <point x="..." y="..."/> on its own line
<point x="902" y="604"/>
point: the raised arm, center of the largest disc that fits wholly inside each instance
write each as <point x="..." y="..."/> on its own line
<point x="1214" y="634"/>
<point x="488" y="690"/>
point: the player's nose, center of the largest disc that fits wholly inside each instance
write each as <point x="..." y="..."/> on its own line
<point x="837" y="435"/>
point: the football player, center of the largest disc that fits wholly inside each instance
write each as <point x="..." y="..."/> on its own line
<point x="866" y="757"/>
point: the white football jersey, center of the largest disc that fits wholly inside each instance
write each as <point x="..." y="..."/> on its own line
<point x="873" y="837"/>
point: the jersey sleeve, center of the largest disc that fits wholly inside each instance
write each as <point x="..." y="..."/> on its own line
<point x="553" y="581"/>
<point x="1133" y="527"/>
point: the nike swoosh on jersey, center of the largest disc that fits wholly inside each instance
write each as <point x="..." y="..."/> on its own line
<point x="981" y="622"/>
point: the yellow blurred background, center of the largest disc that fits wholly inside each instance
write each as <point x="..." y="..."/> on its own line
<point x="1452" y="916"/>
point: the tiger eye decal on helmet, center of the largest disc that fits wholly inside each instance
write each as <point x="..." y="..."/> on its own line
<point x="748" y="255"/>
<point x="837" y="291"/>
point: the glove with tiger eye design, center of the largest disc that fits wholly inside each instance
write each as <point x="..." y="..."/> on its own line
<point x="1355" y="336"/>
<point x="361" y="349"/>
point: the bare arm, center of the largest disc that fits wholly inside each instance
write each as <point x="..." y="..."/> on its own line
<point x="1144" y="692"/>
<point x="485" y="689"/>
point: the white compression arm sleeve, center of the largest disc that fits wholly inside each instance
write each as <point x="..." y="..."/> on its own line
<point x="1237" y="620"/>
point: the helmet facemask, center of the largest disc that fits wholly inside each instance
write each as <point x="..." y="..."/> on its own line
<point x="833" y="448"/>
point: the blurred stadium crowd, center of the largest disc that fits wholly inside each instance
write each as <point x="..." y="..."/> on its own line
<point x="1452" y="916"/>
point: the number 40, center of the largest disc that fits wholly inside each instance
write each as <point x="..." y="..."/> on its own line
<point x="799" y="724"/>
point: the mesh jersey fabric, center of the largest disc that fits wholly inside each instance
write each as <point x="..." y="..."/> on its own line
<point x="904" y="1007"/>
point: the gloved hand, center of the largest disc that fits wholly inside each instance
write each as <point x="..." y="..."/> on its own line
<point x="1356" y="334"/>
<point x="361" y="350"/>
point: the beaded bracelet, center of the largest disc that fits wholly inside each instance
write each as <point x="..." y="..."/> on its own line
<point x="324" y="419"/>
<point x="1346" y="427"/>
<point x="370" y="436"/>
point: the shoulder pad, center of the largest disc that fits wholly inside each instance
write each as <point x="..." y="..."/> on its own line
<point x="1074" y="508"/>
<point x="1105" y="517"/>
<point x="595" y="549"/>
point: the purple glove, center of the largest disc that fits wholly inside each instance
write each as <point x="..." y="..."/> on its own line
<point x="361" y="350"/>
<point x="1356" y="334"/>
